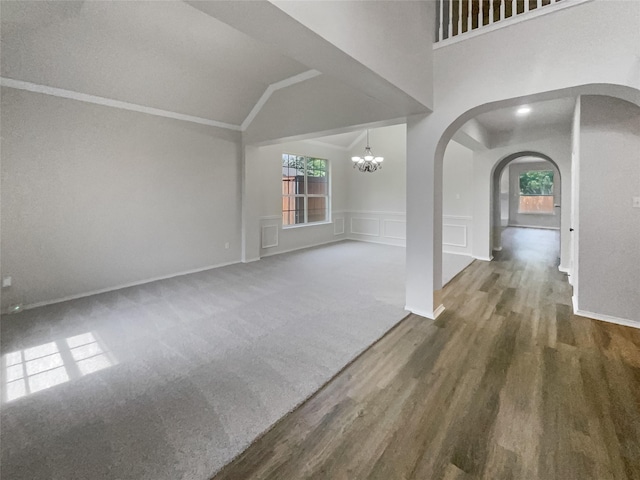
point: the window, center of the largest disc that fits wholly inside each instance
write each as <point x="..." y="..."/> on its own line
<point x="536" y="192"/>
<point x="305" y="190"/>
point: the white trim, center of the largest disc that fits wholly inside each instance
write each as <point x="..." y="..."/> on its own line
<point x="608" y="318"/>
<point x="438" y="311"/>
<point x="302" y="225"/>
<point x="271" y="217"/>
<point x="326" y="145"/>
<point x="431" y="316"/>
<point x="251" y="260"/>
<point x="362" y="233"/>
<point x="262" y="237"/>
<point x="497" y="249"/>
<point x="464" y="254"/>
<point x="384" y="228"/>
<point x="505" y="22"/>
<point x="464" y="227"/>
<point x="336" y="222"/>
<point x="484" y="259"/>
<point x="302" y="247"/>
<point x="287" y="82"/>
<point x="564" y="269"/>
<point x="457" y="217"/>
<point x="126" y="285"/>
<point x="574" y="303"/>
<point x="357" y="140"/>
<point x="372" y="212"/>
<point x="108" y="102"/>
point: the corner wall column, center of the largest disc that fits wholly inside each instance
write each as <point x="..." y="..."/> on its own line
<point x="424" y="219"/>
<point x="250" y="205"/>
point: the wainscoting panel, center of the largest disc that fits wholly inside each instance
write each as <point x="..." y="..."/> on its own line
<point x="270" y="236"/>
<point x="394" y="229"/>
<point x="276" y="238"/>
<point x="365" y="226"/>
<point x="456" y="234"/>
<point x="378" y="227"/>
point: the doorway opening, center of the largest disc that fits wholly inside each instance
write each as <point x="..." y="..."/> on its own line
<point x="526" y="190"/>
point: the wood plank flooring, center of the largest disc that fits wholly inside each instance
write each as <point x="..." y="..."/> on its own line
<point x="506" y="384"/>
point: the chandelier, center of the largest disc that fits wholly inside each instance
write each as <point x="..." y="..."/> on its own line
<point x="368" y="163"/>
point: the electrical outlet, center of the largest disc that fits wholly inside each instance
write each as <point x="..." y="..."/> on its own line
<point x="636" y="202"/>
<point x="6" y="282"/>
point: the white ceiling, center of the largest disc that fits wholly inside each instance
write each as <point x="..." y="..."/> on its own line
<point x="342" y="140"/>
<point x="166" y="55"/>
<point x="543" y="114"/>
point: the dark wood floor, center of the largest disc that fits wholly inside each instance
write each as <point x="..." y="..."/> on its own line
<point x="506" y="384"/>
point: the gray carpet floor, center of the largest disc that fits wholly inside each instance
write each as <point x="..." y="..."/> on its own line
<point x="172" y="379"/>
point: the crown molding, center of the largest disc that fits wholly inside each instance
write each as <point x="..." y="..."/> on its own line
<point x="109" y="102"/>
<point x="287" y="82"/>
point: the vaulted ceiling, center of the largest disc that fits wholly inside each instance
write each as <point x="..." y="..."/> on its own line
<point x="262" y="67"/>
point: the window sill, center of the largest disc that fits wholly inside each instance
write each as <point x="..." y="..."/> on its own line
<point x="302" y="225"/>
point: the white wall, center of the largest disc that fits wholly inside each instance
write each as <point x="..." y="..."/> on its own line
<point x="266" y="170"/>
<point x="457" y="199"/>
<point x="94" y="197"/>
<point x="391" y="38"/>
<point x="504" y="197"/>
<point x="609" y="247"/>
<point x="376" y="201"/>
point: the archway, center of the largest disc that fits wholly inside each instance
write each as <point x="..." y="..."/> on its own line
<point x="427" y="138"/>
<point x="495" y="218"/>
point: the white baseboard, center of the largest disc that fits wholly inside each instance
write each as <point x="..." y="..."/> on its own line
<point x="288" y="250"/>
<point x="497" y="249"/>
<point x="379" y="242"/>
<point x="423" y="313"/>
<point x="458" y="253"/>
<point x="249" y="260"/>
<point x="484" y="259"/>
<point x="125" y="285"/>
<point x="564" y="269"/>
<point x="608" y="318"/>
<point x="438" y="311"/>
<point x="574" y="303"/>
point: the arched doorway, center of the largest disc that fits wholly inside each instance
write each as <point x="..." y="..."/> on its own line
<point x="525" y="192"/>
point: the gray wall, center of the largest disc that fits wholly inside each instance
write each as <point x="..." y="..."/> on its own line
<point x="609" y="232"/>
<point x="95" y="197"/>
<point x="530" y="219"/>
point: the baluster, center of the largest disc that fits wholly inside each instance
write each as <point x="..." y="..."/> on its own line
<point x="538" y="3"/>
<point x="459" y="17"/>
<point x="441" y="26"/>
<point x="490" y="12"/>
<point x="503" y="5"/>
<point x="469" y="16"/>
<point x="481" y="13"/>
<point x="450" y="31"/>
<point x="514" y="8"/>
<point x="526" y="6"/>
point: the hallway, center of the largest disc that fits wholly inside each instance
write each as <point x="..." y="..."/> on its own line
<point x="506" y="384"/>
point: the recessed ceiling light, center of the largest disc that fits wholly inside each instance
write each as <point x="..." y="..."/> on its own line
<point x="523" y="110"/>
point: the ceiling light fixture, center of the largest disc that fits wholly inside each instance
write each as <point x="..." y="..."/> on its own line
<point x="368" y="163"/>
<point x="523" y="110"/>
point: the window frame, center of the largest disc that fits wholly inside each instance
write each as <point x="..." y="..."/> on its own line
<point x="306" y="195"/>
<point x="552" y="194"/>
